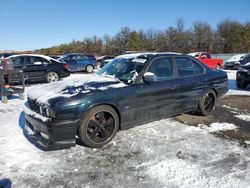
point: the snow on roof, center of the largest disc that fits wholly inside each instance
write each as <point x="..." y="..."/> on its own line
<point x="194" y="53"/>
<point x="129" y="56"/>
<point x="134" y="55"/>
<point x="31" y="55"/>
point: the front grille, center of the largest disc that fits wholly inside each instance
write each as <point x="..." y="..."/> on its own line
<point x="38" y="108"/>
<point x="230" y="63"/>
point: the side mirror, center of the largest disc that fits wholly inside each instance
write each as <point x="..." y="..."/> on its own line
<point x="149" y="77"/>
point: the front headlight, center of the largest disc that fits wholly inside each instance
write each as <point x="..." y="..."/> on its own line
<point x="41" y="110"/>
<point x="237" y="62"/>
<point x="46" y="111"/>
<point x="49" y="112"/>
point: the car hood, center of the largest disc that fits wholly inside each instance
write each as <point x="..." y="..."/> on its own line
<point x="63" y="90"/>
<point x="231" y="60"/>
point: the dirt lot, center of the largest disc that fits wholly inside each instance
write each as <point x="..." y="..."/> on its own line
<point x="226" y="110"/>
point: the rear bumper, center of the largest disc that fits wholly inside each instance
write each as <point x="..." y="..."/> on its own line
<point x="50" y="134"/>
<point x="64" y="74"/>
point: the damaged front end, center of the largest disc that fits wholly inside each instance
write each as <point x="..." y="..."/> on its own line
<point x="48" y="132"/>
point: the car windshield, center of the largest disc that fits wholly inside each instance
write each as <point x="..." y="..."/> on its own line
<point x="124" y="69"/>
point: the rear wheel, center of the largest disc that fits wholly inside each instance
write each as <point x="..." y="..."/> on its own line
<point x="89" y="68"/>
<point x="52" y="77"/>
<point x="207" y="103"/>
<point x="99" y="126"/>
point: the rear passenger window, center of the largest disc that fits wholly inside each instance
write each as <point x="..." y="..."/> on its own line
<point x="162" y="68"/>
<point x="19" y="61"/>
<point x="78" y="57"/>
<point x="198" y="68"/>
<point x="184" y="67"/>
<point x="207" y="56"/>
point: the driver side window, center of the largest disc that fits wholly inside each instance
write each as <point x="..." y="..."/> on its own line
<point x="162" y="68"/>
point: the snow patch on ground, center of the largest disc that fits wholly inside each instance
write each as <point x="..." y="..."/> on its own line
<point x="230" y="108"/>
<point x="217" y="127"/>
<point x="243" y="117"/>
<point x="247" y="142"/>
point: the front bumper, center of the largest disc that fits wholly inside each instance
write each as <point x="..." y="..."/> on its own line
<point x="243" y="76"/>
<point x="231" y="66"/>
<point x="47" y="133"/>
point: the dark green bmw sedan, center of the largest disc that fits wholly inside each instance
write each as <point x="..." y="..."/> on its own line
<point x="132" y="89"/>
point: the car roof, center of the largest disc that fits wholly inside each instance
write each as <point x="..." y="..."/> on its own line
<point x="146" y="54"/>
<point x="31" y="55"/>
<point x="76" y="54"/>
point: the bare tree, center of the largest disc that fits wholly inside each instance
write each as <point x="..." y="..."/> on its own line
<point x="229" y="31"/>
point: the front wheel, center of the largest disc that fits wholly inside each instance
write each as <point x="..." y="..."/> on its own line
<point x="207" y="103"/>
<point x="89" y="68"/>
<point x="99" y="126"/>
<point x="52" y="77"/>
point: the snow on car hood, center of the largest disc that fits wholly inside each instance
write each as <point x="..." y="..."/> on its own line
<point x="236" y="58"/>
<point x="71" y="87"/>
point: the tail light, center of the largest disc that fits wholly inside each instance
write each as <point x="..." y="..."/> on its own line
<point x="65" y="66"/>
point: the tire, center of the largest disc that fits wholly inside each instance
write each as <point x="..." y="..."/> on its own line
<point x="51" y="77"/>
<point x="207" y="103"/>
<point x="241" y="84"/>
<point x="99" y="126"/>
<point x="89" y="69"/>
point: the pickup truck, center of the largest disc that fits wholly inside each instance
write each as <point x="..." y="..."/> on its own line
<point x="205" y="58"/>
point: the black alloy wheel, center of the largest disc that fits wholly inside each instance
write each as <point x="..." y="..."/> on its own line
<point x="207" y="103"/>
<point x="99" y="126"/>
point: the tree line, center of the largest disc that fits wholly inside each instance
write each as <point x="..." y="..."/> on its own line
<point x="229" y="36"/>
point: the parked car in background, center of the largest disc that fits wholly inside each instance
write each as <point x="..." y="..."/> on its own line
<point x="243" y="76"/>
<point x="79" y="62"/>
<point x="39" y="67"/>
<point x="103" y="60"/>
<point x="206" y="58"/>
<point x="234" y="62"/>
<point x="4" y="55"/>
<point x="55" y="56"/>
<point x="131" y="90"/>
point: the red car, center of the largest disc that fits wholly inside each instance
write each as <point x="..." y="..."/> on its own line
<point x="205" y="58"/>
